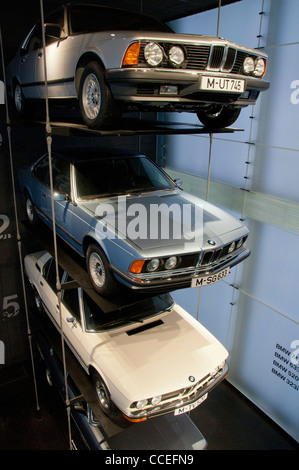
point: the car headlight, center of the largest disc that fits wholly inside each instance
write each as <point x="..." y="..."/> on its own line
<point x="248" y="65"/>
<point x="141" y="404"/>
<point x="259" y="68"/>
<point x="232" y="247"/>
<point x="153" y="265"/>
<point x="156" y="400"/>
<point x="153" y="54"/>
<point x="171" y="262"/>
<point x="176" y="55"/>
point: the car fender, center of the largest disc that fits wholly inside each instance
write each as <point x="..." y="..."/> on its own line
<point x="89" y="55"/>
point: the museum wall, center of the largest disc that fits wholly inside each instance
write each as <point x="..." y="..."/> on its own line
<point x="254" y="175"/>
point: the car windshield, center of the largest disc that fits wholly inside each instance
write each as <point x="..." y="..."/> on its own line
<point x="93" y="18"/>
<point x="96" y="320"/>
<point x="118" y="176"/>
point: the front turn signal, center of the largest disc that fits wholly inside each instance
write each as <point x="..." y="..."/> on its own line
<point x="131" y="56"/>
<point x="136" y="266"/>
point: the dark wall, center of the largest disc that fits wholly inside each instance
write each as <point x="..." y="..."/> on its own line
<point x="28" y="142"/>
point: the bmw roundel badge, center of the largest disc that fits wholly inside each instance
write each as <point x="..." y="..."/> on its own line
<point x="211" y="242"/>
<point x="191" y="378"/>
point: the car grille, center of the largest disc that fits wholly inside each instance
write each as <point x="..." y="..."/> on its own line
<point x="205" y="57"/>
<point x="216" y="256"/>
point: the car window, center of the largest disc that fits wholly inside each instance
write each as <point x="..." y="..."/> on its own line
<point x="57" y="17"/>
<point x="41" y="171"/>
<point x="70" y="300"/>
<point x="61" y="175"/>
<point x="49" y="273"/>
<point x="34" y="42"/>
<point x="97" y="320"/>
<point x="92" y="18"/>
<point x="60" y="172"/>
<point x="116" y="176"/>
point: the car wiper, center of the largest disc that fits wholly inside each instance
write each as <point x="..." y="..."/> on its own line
<point x="121" y="323"/>
<point x="142" y="190"/>
<point x="98" y="196"/>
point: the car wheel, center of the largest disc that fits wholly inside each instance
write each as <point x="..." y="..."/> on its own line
<point x="30" y="210"/>
<point x="103" y="396"/>
<point x="99" y="272"/>
<point x="218" y="117"/>
<point x="97" y="105"/>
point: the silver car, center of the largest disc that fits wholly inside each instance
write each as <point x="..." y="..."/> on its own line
<point x="113" y="61"/>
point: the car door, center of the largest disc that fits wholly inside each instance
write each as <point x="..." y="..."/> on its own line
<point x="29" y="56"/>
<point x="48" y="291"/>
<point x="61" y="195"/>
<point x="72" y="323"/>
<point x="56" y="42"/>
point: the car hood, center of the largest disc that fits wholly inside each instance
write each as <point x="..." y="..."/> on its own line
<point x="158" y="356"/>
<point x="137" y="218"/>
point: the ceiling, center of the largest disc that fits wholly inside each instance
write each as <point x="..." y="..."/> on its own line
<point x="18" y="16"/>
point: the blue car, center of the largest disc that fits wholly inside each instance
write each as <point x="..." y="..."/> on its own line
<point x="131" y="221"/>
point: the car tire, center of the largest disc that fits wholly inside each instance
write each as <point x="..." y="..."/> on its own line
<point x="218" y="117"/>
<point x="99" y="272"/>
<point x="30" y="210"/>
<point x="103" y="396"/>
<point x="97" y="106"/>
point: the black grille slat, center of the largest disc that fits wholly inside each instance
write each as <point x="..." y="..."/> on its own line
<point x="217" y="255"/>
<point x="197" y="57"/>
<point x="240" y="57"/>
<point x="230" y="59"/>
<point x="216" y="57"/>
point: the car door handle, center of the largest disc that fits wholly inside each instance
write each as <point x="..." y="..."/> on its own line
<point x="40" y="54"/>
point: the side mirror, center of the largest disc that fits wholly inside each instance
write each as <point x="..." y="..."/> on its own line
<point x="61" y="197"/>
<point x="178" y="182"/>
<point x="53" y="31"/>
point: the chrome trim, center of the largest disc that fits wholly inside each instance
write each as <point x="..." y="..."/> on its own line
<point x="170" y="404"/>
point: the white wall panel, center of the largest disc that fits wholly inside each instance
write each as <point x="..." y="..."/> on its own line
<point x="271" y="271"/>
<point x="275" y="172"/>
<point x="261" y="362"/>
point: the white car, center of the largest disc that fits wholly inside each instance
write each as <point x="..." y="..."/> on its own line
<point x="147" y="359"/>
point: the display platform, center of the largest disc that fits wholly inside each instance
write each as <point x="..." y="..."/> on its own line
<point x="73" y="126"/>
<point x="41" y="238"/>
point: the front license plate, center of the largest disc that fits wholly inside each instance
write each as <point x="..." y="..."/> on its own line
<point x="231" y="85"/>
<point x="191" y="406"/>
<point x="211" y="279"/>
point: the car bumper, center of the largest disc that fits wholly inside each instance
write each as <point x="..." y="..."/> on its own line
<point x="175" y="279"/>
<point x="186" y="400"/>
<point x="142" y="85"/>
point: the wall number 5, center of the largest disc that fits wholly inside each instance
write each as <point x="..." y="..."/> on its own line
<point x="10" y="306"/>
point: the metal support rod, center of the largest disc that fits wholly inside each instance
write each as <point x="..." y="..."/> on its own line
<point x="218" y="20"/>
<point x="207" y="198"/>
<point x="58" y="284"/>
<point x="209" y="167"/>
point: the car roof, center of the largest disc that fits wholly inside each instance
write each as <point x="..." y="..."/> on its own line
<point x="83" y="154"/>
